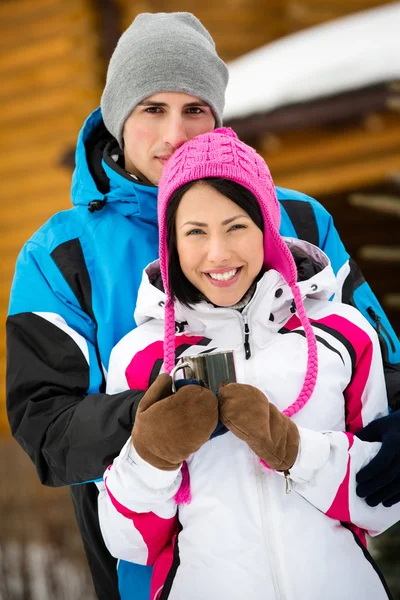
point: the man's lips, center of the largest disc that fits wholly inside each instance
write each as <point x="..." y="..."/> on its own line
<point x="164" y="159"/>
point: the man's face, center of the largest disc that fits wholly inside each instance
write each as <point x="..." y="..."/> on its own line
<point x="157" y="127"/>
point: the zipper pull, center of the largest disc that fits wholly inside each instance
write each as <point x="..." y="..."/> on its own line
<point x="288" y="483"/>
<point x="376" y="319"/>
<point x="247" y="349"/>
<point x="381" y="329"/>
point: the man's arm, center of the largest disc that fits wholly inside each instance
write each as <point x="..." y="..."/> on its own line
<point x="378" y="481"/>
<point x="326" y="467"/>
<point x="56" y="404"/>
<point x="354" y="290"/>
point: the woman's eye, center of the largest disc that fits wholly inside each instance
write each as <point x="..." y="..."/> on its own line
<point x="195" y="232"/>
<point x="237" y="226"/>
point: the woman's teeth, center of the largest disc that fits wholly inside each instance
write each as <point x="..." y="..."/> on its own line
<point x="223" y="276"/>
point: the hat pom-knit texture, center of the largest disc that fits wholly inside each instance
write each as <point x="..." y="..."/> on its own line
<point x="221" y="154"/>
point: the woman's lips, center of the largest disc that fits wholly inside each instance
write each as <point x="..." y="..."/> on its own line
<point x="224" y="282"/>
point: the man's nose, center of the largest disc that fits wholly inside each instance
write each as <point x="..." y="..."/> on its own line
<point x="175" y="132"/>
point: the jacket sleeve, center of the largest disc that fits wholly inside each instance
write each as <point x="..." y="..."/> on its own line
<point x="354" y="290"/>
<point x="326" y="467"/>
<point x="56" y="404"/>
<point x="137" y="510"/>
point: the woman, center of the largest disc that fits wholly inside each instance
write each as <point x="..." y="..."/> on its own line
<point x="210" y="511"/>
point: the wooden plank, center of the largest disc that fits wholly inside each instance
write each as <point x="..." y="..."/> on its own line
<point x="360" y="226"/>
<point x="44" y="51"/>
<point x="47" y="104"/>
<point x="59" y="74"/>
<point x="109" y="26"/>
<point x="380" y="203"/>
<point x="385" y="254"/>
<point x="331" y="111"/>
<point x="76" y="19"/>
<point x="340" y="177"/>
<point x="18" y="10"/>
<point x="392" y="301"/>
<point x="41" y="131"/>
<point x="28" y="155"/>
<point x="321" y="146"/>
<point x="39" y="184"/>
<point x="351" y="5"/>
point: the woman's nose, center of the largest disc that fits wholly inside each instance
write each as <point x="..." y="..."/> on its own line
<point x="218" y="251"/>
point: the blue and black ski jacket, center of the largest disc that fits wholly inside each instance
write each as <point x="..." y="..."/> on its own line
<point x="73" y="298"/>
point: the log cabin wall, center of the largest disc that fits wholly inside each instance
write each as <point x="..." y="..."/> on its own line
<point x="53" y="55"/>
<point x="344" y="151"/>
<point x="50" y="75"/>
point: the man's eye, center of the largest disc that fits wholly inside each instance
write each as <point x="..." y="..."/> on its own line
<point x="153" y="109"/>
<point x="195" y="110"/>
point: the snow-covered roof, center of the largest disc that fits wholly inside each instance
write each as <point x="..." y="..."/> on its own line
<point x="341" y="55"/>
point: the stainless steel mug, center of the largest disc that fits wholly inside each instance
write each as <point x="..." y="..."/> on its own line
<point x="214" y="368"/>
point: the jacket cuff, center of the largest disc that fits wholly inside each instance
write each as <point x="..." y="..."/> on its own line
<point x="152" y="477"/>
<point x="313" y="454"/>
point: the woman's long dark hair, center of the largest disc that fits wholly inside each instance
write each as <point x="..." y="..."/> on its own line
<point x="180" y="287"/>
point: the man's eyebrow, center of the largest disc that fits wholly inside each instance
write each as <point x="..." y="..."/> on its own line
<point x="151" y="103"/>
<point x="163" y="104"/>
<point x="198" y="103"/>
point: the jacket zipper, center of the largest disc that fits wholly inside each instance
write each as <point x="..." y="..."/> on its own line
<point x="247" y="349"/>
<point x="264" y="497"/>
<point x="379" y="327"/>
<point x="265" y="501"/>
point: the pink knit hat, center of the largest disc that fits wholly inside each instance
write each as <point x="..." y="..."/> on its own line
<point x="220" y="153"/>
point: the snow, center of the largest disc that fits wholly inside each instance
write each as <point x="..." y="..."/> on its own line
<point x="349" y="53"/>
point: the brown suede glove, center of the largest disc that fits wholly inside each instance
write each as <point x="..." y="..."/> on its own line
<point x="169" y="427"/>
<point x="246" y="411"/>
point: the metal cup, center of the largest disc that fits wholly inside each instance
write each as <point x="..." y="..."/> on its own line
<point x="214" y="369"/>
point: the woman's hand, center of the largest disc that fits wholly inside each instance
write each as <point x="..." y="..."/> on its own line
<point x="246" y="411"/>
<point x="169" y="427"/>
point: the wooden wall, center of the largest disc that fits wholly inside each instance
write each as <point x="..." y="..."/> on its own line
<point x="50" y="82"/>
<point x="52" y="71"/>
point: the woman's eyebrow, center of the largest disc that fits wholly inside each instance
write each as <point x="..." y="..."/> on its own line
<point x="196" y="223"/>
<point x="226" y="222"/>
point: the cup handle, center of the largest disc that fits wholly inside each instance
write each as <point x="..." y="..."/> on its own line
<point x="177" y="368"/>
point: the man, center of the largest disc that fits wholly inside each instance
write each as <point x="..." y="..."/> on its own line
<point x="76" y="279"/>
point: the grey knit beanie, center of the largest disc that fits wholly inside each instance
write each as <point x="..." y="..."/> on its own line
<point x="162" y="52"/>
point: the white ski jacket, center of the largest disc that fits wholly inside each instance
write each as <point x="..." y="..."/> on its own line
<point x="242" y="536"/>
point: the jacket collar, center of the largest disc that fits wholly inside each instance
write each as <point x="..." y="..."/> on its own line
<point x="98" y="177"/>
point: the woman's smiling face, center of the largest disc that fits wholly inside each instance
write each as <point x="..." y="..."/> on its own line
<point x="220" y="248"/>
